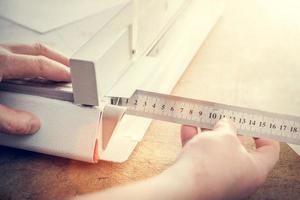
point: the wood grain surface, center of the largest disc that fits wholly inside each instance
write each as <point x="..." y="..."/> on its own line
<point x="251" y="59"/>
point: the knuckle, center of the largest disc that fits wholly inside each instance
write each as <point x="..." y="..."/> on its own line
<point x="41" y="62"/>
<point x="16" y="128"/>
<point x="39" y="47"/>
<point x="4" y="55"/>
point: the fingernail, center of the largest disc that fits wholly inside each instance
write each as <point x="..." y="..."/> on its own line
<point x="68" y="76"/>
<point x="35" y="125"/>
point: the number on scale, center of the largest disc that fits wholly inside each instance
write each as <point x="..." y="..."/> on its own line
<point x="262" y="124"/>
<point x="213" y="115"/>
<point x="242" y="120"/>
<point x="294" y="130"/>
<point x="272" y="126"/>
<point x="252" y="122"/>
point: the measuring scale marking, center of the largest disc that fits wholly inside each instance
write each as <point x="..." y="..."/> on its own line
<point x="250" y="122"/>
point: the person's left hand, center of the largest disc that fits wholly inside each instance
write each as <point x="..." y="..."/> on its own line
<point x="20" y="61"/>
<point x="32" y="61"/>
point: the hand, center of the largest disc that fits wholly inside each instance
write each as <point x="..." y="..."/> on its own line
<point x="212" y="165"/>
<point x="215" y="165"/>
<point x="28" y="61"/>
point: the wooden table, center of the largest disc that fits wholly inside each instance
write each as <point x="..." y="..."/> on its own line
<point x="250" y="59"/>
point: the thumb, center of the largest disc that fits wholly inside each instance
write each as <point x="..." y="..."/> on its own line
<point x="17" y="122"/>
<point x="225" y="126"/>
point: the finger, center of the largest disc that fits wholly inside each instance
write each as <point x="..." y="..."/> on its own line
<point x="37" y="49"/>
<point x="17" y="122"/>
<point x="267" y="153"/>
<point x="187" y="133"/>
<point x="261" y="143"/>
<point x="225" y="126"/>
<point x="19" y="66"/>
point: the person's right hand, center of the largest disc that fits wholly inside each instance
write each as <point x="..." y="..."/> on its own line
<point x="212" y="165"/>
<point x="215" y="164"/>
<point x="20" y="61"/>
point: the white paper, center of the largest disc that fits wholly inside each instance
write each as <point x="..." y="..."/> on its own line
<point x="67" y="39"/>
<point x="44" y="16"/>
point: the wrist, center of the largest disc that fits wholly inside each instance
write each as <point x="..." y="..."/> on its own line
<point x="184" y="179"/>
<point x="192" y="180"/>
